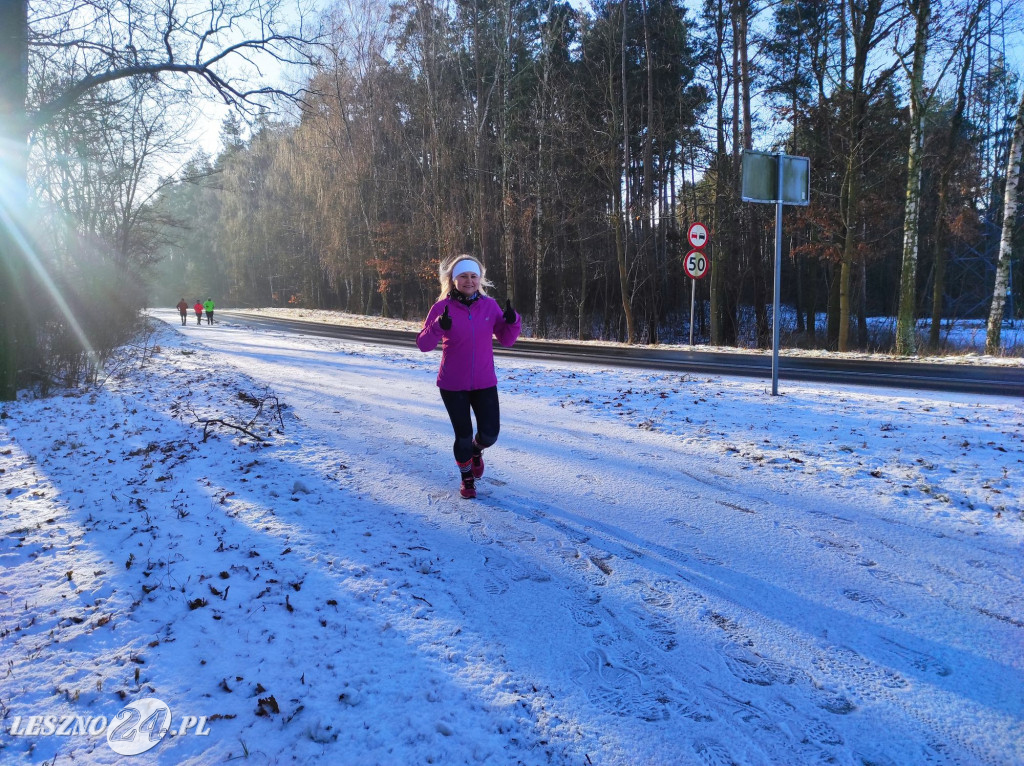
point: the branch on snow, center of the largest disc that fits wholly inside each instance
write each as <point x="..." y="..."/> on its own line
<point x="208" y="422"/>
<point x="266" y="405"/>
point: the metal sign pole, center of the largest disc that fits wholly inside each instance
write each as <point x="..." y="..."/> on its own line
<point x="778" y="283"/>
<point x="693" y="292"/>
<point x="795" y="190"/>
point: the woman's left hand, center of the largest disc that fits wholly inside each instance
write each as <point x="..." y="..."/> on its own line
<point x="510" y="313"/>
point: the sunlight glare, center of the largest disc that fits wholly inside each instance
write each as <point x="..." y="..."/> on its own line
<point x="15" y="224"/>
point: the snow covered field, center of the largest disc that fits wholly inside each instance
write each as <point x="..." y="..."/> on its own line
<point x="659" y="569"/>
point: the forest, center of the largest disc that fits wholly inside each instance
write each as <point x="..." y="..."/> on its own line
<point x="569" y="146"/>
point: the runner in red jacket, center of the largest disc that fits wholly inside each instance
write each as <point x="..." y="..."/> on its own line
<point x="183" y="311"/>
<point x="463" y="320"/>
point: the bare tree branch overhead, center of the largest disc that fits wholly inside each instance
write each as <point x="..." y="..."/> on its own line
<point x="227" y="46"/>
<point x="104" y="88"/>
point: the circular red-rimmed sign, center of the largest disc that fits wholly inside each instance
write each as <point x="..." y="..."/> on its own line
<point x="695" y="264"/>
<point x="697" y="235"/>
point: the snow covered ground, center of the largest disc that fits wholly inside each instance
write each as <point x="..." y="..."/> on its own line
<point x="659" y="569"/>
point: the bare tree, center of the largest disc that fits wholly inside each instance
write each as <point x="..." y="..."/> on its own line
<point x="870" y="22"/>
<point x="906" y="325"/>
<point x="1010" y="201"/>
<point x="224" y="45"/>
<point x="950" y="159"/>
<point x="921" y="97"/>
<point x="54" y="53"/>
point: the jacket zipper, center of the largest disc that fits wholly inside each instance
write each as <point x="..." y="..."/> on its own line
<point x="472" y="355"/>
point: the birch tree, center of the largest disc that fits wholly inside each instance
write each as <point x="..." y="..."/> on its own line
<point x="906" y="330"/>
<point x="1010" y="202"/>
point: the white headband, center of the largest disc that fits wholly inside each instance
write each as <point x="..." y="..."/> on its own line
<point x="465" y="265"/>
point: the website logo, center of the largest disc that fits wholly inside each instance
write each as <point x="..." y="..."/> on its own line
<point x="136" y="728"/>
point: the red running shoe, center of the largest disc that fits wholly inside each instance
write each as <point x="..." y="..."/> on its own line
<point x="468" y="490"/>
<point x="478" y="466"/>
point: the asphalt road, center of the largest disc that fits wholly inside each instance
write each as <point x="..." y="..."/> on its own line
<point x="964" y="378"/>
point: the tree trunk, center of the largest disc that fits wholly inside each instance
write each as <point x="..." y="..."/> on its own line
<point x="584" y="325"/>
<point x="862" y="22"/>
<point x="995" y="314"/>
<point x="647" y="204"/>
<point x="14" y="334"/>
<point x="852" y="199"/>
<point x="716" y="301"/>
<point x="862" y="310"/>
<point x="949" y="161"/>
<point x="540" y="234"/>
<point x="811" y="298"/>
<point x="832" y="312"/>
<point x="622" y="229"/>
<point x="906" y="325"/>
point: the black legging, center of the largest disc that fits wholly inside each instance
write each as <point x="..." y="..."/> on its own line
<point x="484" y="403"/>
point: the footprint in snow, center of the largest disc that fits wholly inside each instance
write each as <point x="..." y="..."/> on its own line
<point x="993" y="568"/>
<point x="619" y="690"/>
<point x="515" y="570"/>
<point x="510" y="534"/>
<point x="478" y="534"/>
<point x="659" y="629"/>
<point x="572" y="557"/>
<point x="919" y="660"/>
<point x="819" y="731"/>
<point x="494" y="585"/>
<point x="874" y="603"/>
<point x="654" y="597"/>
<point x="713" y="754"/>
<point x="681" y="524"/>
<point x="706" y="558"/>
<point x="833" y="542"/>
<point x="585" y="616"/>
<point x="860" y="674"/>
<point x="747" y="666"/>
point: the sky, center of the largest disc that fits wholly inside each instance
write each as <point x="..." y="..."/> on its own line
<point x="659" y="567"/>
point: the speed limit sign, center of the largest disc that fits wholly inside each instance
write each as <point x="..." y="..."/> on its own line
<point x="695" y="264"/>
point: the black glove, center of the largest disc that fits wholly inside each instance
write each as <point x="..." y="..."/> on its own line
<point x="445" y="321"/>
<point x="510" y="313"/>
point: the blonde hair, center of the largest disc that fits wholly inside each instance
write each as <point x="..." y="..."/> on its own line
<point x="444" y="272"/>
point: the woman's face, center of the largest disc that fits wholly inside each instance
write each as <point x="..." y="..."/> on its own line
<point x="467" y="283"/>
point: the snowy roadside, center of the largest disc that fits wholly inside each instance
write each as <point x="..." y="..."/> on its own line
<point x="967" y="335"/>
<point x="660" y="568"/>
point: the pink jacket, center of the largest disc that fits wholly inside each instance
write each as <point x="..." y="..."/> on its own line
<point x="467" y="355"/>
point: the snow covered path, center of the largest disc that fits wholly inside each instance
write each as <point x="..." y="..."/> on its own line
<point x="658" y="569"/>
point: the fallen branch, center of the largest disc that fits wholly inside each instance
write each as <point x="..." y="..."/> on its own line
<point x="207" y="422"/>
<point x="258" y="404"/>
<point x="247" y="427"/>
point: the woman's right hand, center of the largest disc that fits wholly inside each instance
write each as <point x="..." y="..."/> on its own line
<point x="445" y="321"/>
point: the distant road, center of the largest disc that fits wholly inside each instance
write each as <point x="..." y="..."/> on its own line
<point x="964" y="378"/>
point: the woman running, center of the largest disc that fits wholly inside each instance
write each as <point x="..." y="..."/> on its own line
<point x="463" y="321"/>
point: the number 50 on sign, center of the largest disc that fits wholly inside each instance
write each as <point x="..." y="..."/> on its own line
<point x="695" y="264"/>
